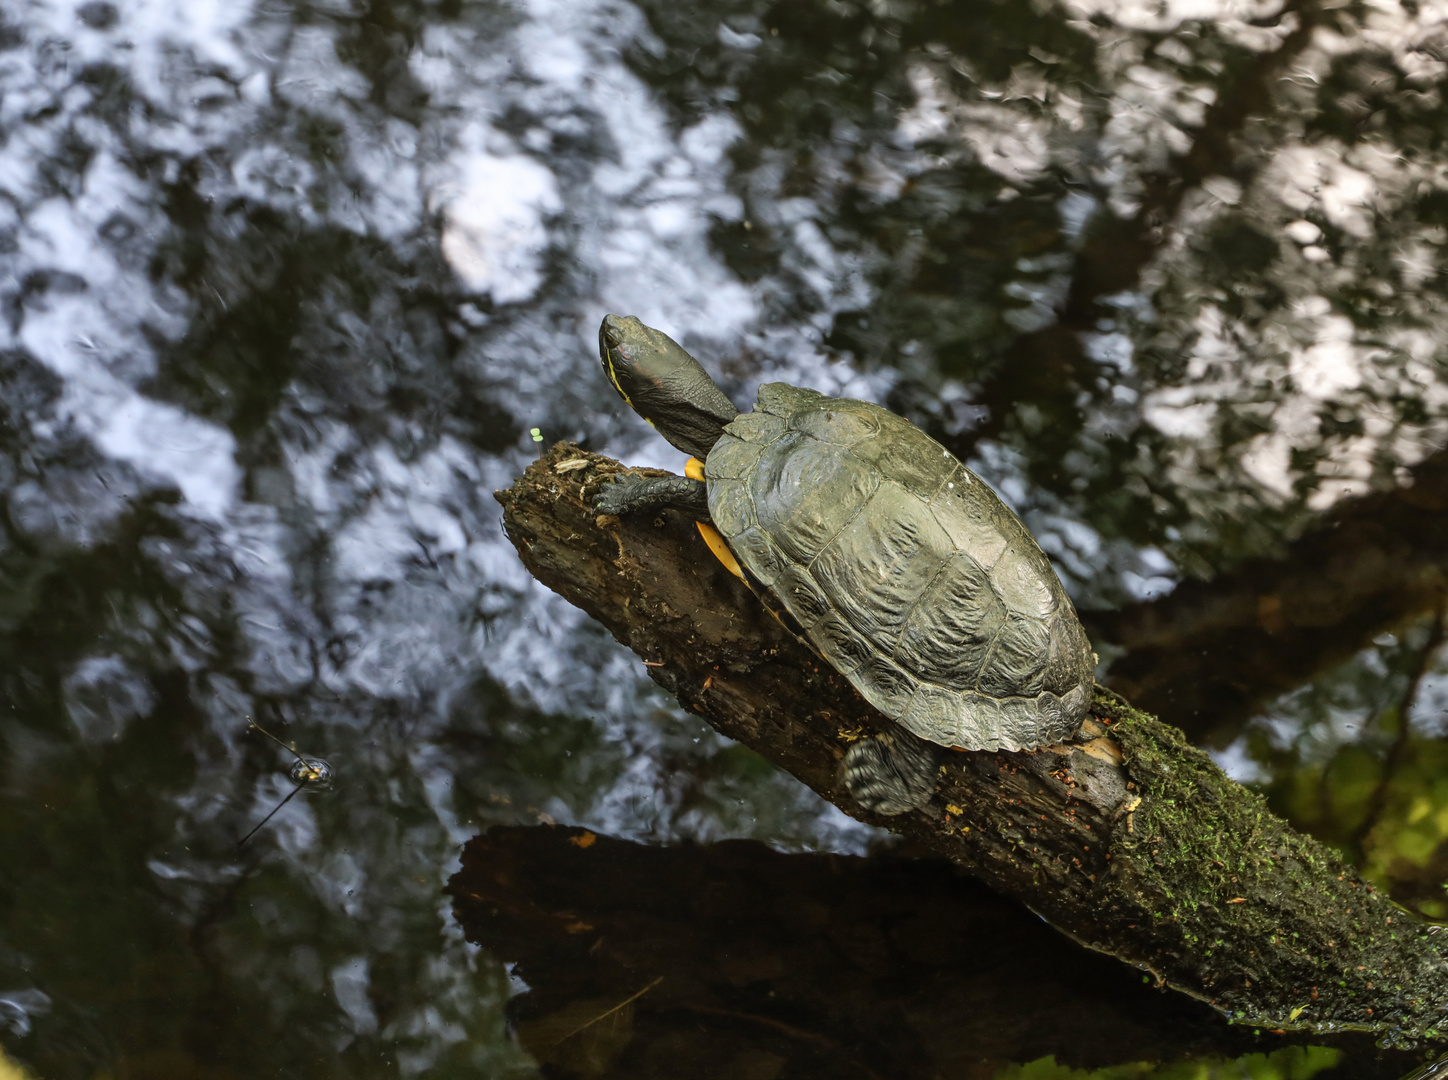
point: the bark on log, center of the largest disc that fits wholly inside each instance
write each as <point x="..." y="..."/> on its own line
<point x="1127" y="839"/>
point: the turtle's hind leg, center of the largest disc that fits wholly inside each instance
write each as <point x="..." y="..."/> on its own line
<point x="891" y="773"/>
<point x="643" y="494"/>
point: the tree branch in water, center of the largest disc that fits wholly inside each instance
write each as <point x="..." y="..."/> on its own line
<point x="1208" y="652"/>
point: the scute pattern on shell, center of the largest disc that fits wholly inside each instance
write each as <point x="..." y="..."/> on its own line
<point x="906" y="571"/>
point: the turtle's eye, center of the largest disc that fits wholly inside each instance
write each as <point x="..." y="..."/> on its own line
<point x="611" y="332"/>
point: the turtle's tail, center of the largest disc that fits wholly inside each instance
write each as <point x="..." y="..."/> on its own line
<point x="891" y="773"/>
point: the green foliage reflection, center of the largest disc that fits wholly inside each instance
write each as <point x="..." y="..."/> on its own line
<point x="1289" y="1063"/>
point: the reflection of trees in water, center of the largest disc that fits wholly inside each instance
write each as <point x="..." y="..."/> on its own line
<point x="1213" y="650"/>
<point x="1174" y="285"/>
<point x="1190" y="198"/>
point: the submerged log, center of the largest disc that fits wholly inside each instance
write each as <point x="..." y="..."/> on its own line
<point x="694" y="961"/>
<point x="1127" y="838"/>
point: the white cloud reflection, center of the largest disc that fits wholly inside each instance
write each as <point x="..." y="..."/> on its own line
<point x="494" y="232"/>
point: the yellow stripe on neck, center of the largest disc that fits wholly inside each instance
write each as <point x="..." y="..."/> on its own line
<point x="694" y="469"/>
<point x="613" y="378"/>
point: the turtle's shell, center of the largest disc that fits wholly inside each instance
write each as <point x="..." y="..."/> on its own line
<point x="905" y="570"/>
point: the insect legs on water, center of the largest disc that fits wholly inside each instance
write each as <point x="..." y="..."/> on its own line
<point x="303" y="772"/>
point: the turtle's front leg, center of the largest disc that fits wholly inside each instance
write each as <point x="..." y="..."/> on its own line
<point x="644" y="494"/>
<point x="893" y="772"/>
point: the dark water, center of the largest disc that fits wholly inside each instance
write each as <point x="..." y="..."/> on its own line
<point x="286" y="286"/>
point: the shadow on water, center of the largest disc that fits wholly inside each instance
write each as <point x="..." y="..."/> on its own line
<point x="284" y="289"/>
<point x="737" y="960"/>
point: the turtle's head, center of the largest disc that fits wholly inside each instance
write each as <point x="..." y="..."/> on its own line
<point x="664" y="384"/>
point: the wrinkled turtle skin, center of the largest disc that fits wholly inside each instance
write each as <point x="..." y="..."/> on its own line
<point x="905" y="571"/>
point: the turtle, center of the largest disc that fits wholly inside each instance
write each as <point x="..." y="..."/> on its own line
<point x="878" y="549"/>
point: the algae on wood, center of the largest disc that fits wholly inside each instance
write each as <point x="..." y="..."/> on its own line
<point x="1127" y="838"/>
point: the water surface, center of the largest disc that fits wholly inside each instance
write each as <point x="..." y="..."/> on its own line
<point x="285" y="286"/>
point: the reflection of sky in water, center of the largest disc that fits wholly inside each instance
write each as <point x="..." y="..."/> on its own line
<point x="505" y="178"/>
<point x="413" y="592"/>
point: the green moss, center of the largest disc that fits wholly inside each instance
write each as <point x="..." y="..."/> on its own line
<point x="1285" y="919"/>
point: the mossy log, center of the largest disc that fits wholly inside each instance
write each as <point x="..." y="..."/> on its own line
<point x="1127" y="839"/>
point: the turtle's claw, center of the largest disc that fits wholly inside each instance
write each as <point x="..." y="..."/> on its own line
<point x="618" y="497"/>
<point x="651" y="494"/>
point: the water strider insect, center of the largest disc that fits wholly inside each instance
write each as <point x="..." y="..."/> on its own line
<point x="305" y="772"/>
